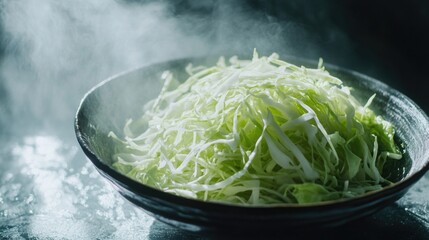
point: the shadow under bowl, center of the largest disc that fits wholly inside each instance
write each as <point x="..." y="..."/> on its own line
<point x="106" y="107"/>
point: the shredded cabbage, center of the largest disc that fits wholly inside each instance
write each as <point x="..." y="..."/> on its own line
<point x="254" y="132"/>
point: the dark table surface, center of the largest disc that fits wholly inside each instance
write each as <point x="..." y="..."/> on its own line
<point x="52" y="53"/>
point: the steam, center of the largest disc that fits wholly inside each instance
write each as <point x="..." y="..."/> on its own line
<point x="56" y="50"/>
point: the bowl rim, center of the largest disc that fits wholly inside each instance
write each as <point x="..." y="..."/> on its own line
<point x="136" y="187"/>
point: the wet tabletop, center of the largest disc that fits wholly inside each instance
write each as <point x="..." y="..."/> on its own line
<point x="49" y="190"/>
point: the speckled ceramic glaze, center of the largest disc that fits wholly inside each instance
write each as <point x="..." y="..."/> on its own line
<point x="106" y="107"/>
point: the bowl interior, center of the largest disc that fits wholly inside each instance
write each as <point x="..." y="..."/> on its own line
<point x="107" y="107"/>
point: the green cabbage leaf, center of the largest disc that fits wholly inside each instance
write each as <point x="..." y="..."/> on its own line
<point x="256" y="132"/>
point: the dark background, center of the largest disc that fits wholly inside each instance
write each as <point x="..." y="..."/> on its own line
<point x="388" y="40"/>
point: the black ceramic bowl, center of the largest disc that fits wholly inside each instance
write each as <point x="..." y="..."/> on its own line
<point x="106" y="107"/>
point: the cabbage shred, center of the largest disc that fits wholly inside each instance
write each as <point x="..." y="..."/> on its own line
<point x="256" y="132"/>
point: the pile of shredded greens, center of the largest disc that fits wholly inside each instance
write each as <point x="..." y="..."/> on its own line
<point x="257" y="132"/>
